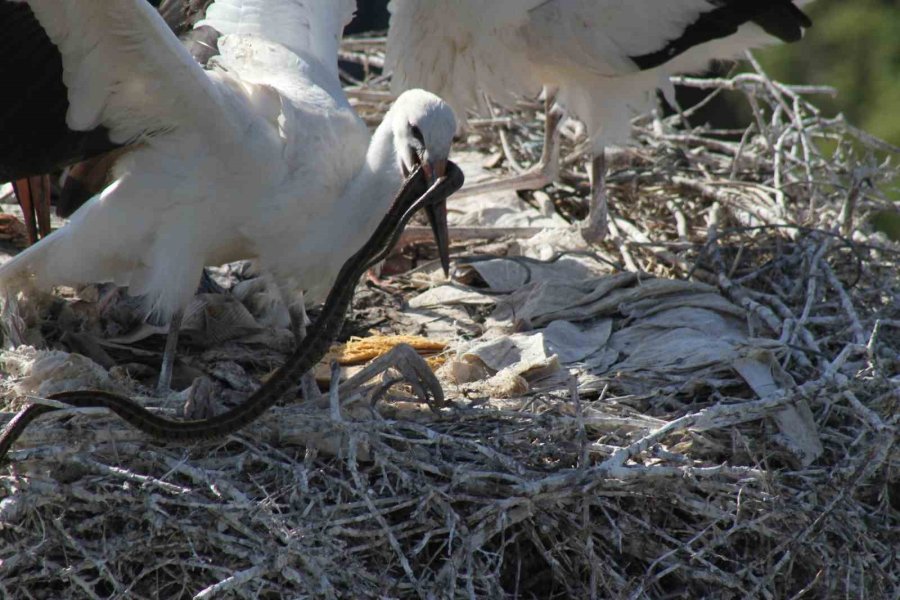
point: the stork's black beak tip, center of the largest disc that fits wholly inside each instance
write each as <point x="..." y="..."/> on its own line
<point x="437" y="212"/>
<point x="451" y="178"/>
<point x="437" y="218"/>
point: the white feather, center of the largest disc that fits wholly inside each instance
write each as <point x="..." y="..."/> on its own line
<point x="123" y="68"/>
<point x="307" y="27"/>
<point x="461" y="48"/>
<point x="262" y="158"/>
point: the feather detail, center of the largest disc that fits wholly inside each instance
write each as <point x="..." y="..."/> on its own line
<point x="606" y="57"/>
<point x="310" y="28"/>
<point x="125" y="70"/>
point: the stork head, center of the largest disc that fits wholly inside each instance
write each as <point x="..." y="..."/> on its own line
<point x="424" y="126"/>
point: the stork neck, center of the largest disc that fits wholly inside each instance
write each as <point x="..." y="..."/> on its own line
<point x="370" y="193"/>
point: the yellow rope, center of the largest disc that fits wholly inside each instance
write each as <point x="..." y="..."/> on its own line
<point x="361" y="350"/>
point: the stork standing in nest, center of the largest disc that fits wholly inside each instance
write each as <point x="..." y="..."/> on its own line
<point x="602" y="60"/>
<point x="258" y="157"/>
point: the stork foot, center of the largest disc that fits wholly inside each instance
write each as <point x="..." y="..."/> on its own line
<point x="309" y="388"/>
<point x="13" y="325"/>
<point x="412" y="370"/>
<point x="201" y="400"/>
<point x="535" y="178"/>
<point x="374" y="279"/>
<point x="595" y="227"/>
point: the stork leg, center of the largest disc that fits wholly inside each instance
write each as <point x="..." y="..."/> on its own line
<point x="33" y="194"/>
<point x="168" y="362"/>
<point x="596" y="226"/>
<point x="299" y="321"/>
<point x="540" y="175"/>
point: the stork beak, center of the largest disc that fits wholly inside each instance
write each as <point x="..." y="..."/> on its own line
<point x="437" y="214"/>
<point x="417" y="193"/>
<point x="434" y="170"/>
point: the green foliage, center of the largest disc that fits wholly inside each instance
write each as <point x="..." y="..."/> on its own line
<point x="853" y="46"/>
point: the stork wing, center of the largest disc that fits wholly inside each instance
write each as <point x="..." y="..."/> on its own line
<point x="34" y="137"/>
<point x="459" y="49"/>
<point x="640" y="34"/>
<point x="126" y="71"/>
<point x="308" y="28"/>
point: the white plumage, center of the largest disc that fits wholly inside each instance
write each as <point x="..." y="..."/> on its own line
<point x="261" y="157"/>
<point x="586" y="51"/>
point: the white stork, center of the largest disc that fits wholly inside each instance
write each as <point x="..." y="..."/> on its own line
<point x="259" y="157"/>
<point x="602" y="60"/>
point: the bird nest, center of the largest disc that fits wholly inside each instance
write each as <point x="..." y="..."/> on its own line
<point x="704" y="405"/>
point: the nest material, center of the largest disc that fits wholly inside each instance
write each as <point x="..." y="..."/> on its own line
<point x="358" y="350"/>
<point x="609" y="483"/>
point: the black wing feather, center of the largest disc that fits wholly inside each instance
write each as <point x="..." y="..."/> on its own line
<point x="34" y="138"/>
<point x="779" y="18"/>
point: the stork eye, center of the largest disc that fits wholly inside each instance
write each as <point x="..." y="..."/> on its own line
<point x="417" y="133"/>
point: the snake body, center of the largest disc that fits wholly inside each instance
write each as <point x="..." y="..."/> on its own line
<point x="413" y="196"/>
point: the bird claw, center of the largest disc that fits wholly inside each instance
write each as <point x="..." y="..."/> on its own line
<point x="309" y="388"/>
<point x="13" y="325"/>
<point x="595" y="228"/>
<point x="383" y="284"/>
<point x="200" y="402"/>
<point x="413" y="370"/>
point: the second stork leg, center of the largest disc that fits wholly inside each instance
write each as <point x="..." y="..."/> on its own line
<point x="164" y="386"/>
<point x="540" y="175"/>
<point x="168" y="363"/>
<point x="33" y="194"/>
<point x="299" y="321"/>
<point x="596" y="226"/>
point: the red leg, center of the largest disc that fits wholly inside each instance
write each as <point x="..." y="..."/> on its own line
<point x="33" y="194"/>
<point x="42" y="206"/>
